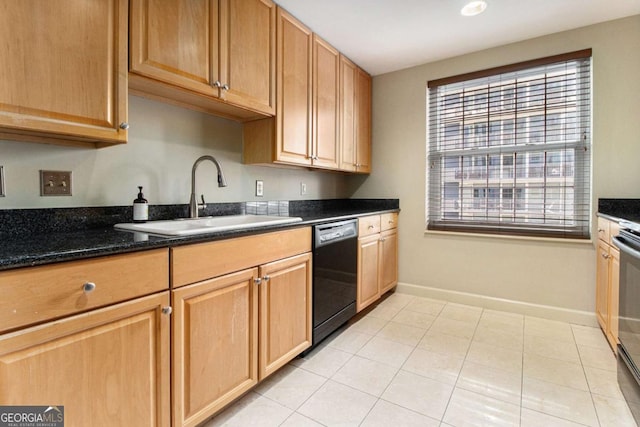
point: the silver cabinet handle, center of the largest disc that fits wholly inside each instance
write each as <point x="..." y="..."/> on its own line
<point x="266" y="278"/>
<point x="124" y="125"/>
<point x="217" y="83"/>
<point x="257" y="280"/>
<point x="88" y="287"/>
<point x="371" y="227"/>
<point x="167" y="310"/>
<point x="225" y="87"/>
<point x="605" y="256"/>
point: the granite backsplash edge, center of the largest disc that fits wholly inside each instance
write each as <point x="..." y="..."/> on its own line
<point x="27" y="222"/>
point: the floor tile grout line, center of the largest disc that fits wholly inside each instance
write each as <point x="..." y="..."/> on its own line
<point x="593" y="402"/>
<point x="455" y="385"/>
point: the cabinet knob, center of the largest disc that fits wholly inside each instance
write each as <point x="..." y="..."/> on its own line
<point x="124" y="125"/>
<point x="382" y="239"/>
<point x="371" y="227"/>
<point x="266" y="278"/>
<point x="167" y="310"/>
<point x="88" y="287"/>
<point x="225" y="87"/>
<point x="217" y="83"/>
<point x="257" y="280"/>
<point x="606" y="256"/>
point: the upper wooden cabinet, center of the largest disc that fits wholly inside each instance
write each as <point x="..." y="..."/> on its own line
<point x="326" y="85"/>
<point x="323" y="112"/>
<point x="286" y="138"/>
<point x="216" y="56"/>
<point x="64" y="71"/>
<point x="355" y="118"/>
<point x="363" y="121"/>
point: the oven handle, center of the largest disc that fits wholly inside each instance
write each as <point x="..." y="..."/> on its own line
<point x="624" y="247"/>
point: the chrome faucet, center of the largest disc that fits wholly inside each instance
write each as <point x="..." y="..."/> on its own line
<point x="193" y="204"/>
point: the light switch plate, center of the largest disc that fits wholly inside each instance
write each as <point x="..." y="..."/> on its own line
<point x="2" y="193"/>
<point x="259" y="188"/>
<point x="55" y="183"/>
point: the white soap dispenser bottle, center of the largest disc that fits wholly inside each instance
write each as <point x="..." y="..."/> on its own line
<point x="140" y="208"/>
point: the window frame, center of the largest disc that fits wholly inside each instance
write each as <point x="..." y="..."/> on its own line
<point x="546" y="146"/>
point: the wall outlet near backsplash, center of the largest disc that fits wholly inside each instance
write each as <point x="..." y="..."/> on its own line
<point x="55" y="183"/>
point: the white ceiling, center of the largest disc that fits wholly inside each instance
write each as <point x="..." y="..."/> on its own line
<point x="388" y="35"/>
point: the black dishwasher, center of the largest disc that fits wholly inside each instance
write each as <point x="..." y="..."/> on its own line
<point x="335" y="264"/>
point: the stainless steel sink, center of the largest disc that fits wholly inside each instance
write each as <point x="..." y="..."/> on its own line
<point x="188" y="227"/>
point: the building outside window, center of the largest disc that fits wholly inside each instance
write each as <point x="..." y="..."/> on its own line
<point x="509" y="149"/>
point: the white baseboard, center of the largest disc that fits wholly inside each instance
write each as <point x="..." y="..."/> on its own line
<point x="577" y="317"/>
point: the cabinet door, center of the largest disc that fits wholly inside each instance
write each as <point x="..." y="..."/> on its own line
<point x="214" y="351"/>
<point x="368" y="257"/>
<point x="107" y="367"/>
<point x="614" y="294"/>
<point x="602" y="284"/>
<point x="293" y="111"/>
<point x="347" y="115"/>
<point x="326" y="80"/>
<point x="248" y="52"/>
<point x="363" y="121"/>
<point x="285" y="311"/>
<point x="64" y="70"/>
<point x="176" y="42"/>
<point x="388" y="260"/>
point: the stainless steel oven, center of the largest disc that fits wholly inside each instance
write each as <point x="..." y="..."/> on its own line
<point x="628" y="241"/>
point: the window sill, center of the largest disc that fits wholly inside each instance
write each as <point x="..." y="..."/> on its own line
<point x="509" y="237"/>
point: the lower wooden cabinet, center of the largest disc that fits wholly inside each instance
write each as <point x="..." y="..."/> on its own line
<point x="107" y="367"/>
<point x="285" y="312"/>
<point x="215" y="341"/>
<point x="368" y="262"/>
<point x="388" y="260"/>
<point x="377" y="257"/>
<point x="232" y="331"/>
<point x="607" y="280"/>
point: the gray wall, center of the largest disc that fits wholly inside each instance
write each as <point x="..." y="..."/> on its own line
<point x="164" y="141"/>
<point x="533" y="271"/>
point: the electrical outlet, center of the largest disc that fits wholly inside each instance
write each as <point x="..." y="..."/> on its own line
<point x="303" y="188"/>
<point x="55" y="183"/>
<point x="2" y="193"/>
<point x="259" y="188"/>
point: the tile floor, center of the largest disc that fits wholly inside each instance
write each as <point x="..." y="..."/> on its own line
<point x="414" y="361"/>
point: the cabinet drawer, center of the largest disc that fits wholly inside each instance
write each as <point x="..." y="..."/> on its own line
<point x="603" y="229"/>
<point x="368" y="225"/>
<point x="193" y="263"/>
<point x="35" y="294"/>
<point x="388" y="221"/>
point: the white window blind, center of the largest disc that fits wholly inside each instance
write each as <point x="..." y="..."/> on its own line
<point x="509" y="149"/>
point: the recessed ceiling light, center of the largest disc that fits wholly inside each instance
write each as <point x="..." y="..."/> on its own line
<point x="474" y="8"/>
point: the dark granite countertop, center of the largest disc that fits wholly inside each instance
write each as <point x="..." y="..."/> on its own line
<point x="620" y="209"/>
<point x="41" y="236"/>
